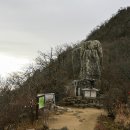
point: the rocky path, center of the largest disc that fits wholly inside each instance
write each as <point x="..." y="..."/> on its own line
<point x="77" y="119"/>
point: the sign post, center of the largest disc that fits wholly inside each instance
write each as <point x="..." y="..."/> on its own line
<point x="36" y="108"/>
<point x="42" y="99"/>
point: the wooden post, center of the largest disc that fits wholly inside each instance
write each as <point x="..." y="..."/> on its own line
<point x="36" y="108"/>
<point x="32" y="116"/>
<point x="37" y="99"/>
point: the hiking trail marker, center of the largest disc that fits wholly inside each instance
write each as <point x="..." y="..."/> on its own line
<point x="42" y="100"/>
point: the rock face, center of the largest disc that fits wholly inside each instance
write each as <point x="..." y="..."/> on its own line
<point x="91" y="60"/>
<point x="76" y="62"/>
<point x="89" y="55"/>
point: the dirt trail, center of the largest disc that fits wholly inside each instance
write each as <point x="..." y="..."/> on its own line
<point x="77" y="119"/>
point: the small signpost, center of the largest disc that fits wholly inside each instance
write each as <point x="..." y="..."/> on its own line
<point x="41" y="102"/>
<point x="42" y="99"/>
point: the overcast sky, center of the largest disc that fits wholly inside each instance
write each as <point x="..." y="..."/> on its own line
<point x="27" y="26"/>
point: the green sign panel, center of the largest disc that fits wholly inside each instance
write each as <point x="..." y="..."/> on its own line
<point x="41" y="102"/>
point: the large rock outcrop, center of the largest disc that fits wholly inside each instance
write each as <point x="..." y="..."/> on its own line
<point x="88" y="57"/>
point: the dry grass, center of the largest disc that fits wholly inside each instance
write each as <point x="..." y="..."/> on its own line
<point x="123" y="116"/>
<point x="27" y="125"/>
<point x="121" y="121"/>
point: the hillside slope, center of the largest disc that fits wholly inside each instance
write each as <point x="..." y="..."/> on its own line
<point x="118" y="26"/>
<point x="115" y="38"/>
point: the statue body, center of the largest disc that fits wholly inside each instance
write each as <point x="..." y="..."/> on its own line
<point x="87" y="64"/>
<point x="89" y="55"/>
<point x="90" y="60"/>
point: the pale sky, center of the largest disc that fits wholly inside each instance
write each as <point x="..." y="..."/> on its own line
<point x="27" y="26"/>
